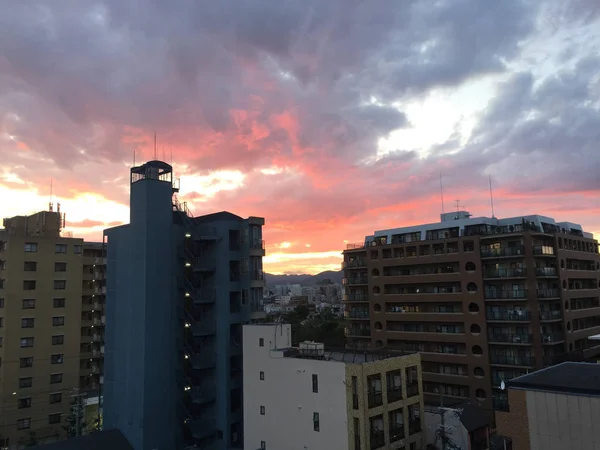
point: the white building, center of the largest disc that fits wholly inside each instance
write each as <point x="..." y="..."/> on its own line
<point x="312" y="399"/>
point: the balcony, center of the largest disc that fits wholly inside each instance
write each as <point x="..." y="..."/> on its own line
<point x="375" y="398"/>
<point x="548" y="293"/>
<point x="257" y="247"/>
<point x="257" y="275"/>
<point x="204" y="327"/>
<point x="543" y="250"/>
<point x="357" y="298"/>
<point x="394" y="394"/>
<point x="360" y="332"/>
<point x="414" y="426"/>
<point x="552" y="338"/>
<point x="377" y="439"/>
<point x="203" y="360"/>
<point x="353" y="281"/>
<point x="550" y="315"/>
<point x="512" y="360"/>
<point x="503" y="252"/>
<point x="508" y="294"/>
<point x="355" y="264"/>
<point x="357" y="314"/>
<point x="203" y="428"/>
<point x="508" y="315"/>
<point x="396" y="432"/>
<point x="511" y="338"/>
<point x="204" y="394"/>
<point x="545" y="271"/>
<point x="204" y="296"/>
<point x="203" y="264"/>
<point x="412" y="389"/>
<point x="505" y="273"/>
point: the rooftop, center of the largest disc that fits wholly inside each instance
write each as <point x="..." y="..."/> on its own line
<point x="577" y="378"/>
<point x="348" y="356"/>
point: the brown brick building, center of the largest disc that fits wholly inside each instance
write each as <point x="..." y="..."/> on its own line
<point x="483" y="300"/>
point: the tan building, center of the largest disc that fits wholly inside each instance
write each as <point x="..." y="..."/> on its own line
<point x="322" y="399"/>
<point x="483" y="300"/>
<point x="554" y="409"/>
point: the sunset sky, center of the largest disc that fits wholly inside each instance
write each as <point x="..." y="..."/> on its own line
<point x="330" y="118"/>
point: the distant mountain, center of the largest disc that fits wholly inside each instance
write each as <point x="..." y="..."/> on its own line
<point x="307" y="280"/>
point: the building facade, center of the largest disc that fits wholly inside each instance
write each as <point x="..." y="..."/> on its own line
<point x="178" y="290"/>
<point x="310" y="397"/>
<point x="40" y="327"/>
<point x="483" y="300"/>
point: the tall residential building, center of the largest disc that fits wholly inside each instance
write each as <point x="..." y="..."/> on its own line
<point x="40" y="327"/>
<point x="314" y="398"/>
<point x="179" y="289"/>
<point x="483" y="300"/>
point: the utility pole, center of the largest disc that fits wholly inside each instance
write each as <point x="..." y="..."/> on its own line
<point x="77" y="409"/>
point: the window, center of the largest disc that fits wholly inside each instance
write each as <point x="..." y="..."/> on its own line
<point x="28" y="303"/>
<point x="77" y="249"/>
<point x="316" y="424"/>
<point x="262" y="410"/>
<point x="54" y="418"/>
<point x="60" y="248"/>
<point x="59" y="302"/>
<point x="25" y="402"/>
<point x="315" y="382"/>
<point x="25" y="382"/>
<point x="262" y="376"/>
<point x="30" y="247"/>
<point x="56" y="398"/>
<point x="56" y="378"/>
<point x="58" y="321"/>
<point x="263" y="445"/>
<point x="29" y="285"/>
<point x="60" y="284"/>
<point x="56" y="359"/>
<point x="58" y="339"/>
<point x="26" y="342"/>
<point x="1" y="303"/>
<point x="27" y="322"/>
<point x="1" y="322"/>
<point x="26" y="362"/>
<point x="261" y="342"/>
<point x="23" y="424"/>
<point x="1" y="341"/>
<point x="30" y="266"/>
<point x="60" y="267"/>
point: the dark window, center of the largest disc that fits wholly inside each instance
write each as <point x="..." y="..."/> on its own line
<point x="56" y="378"/>
<point x="30" y="247"/>
<point x="29" y="285"/>
<point x="262" y="376"/>
<point x="261" y="342"/>
<point x="28" y="303"/>
<point x="56" y="398"/>
<point x="58" y="321"/>
<point x="77" y="249"/>
<point x="23" y="424"/>
<point x="1" y="303"/>
<point x="30" y="266"/>
<point x="25" y="382"/>
<point x="26" y="362"/>
<point x="56" y="359"/>
<point x="60" y="284"/>
<point x="60" y="248"/>
<point x="59" y="302"/>
<point x="54" y="418"/>
<point x="316" y="424"/>
<point x="262" y="410"/>
<point x="60" y="267"/>
<point x="25" y="402"/>
<point x="27" y="322"/>
<point x="1" y="322"/>
<point x="58" y="339"/>
<point x="1" y="341"/>
<point x="315" y="382"/>
<point x="26" y="342"/>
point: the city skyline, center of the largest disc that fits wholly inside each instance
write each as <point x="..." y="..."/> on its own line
<point x="330" y="121"/>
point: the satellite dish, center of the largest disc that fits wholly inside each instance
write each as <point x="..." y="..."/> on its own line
<point x="502" y="385"/>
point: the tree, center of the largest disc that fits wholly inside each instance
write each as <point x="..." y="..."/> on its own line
<point x="75" y="420"/>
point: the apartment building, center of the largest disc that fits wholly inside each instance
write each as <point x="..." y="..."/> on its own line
<point x="179" y="289"/>
<point x="315" y="398"/>
<point x="40" y="327"/>
<point x="484" y="300"/>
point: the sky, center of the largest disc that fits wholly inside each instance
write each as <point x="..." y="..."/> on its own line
<point x="330" y="119"/>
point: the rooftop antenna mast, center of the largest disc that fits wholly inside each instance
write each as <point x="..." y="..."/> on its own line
<point x="457" y="205"/>
<point x="155" y="145"/>
<point x="492" y="197"/>
<point x="442" y="192"/>
<point x="50" y="203"/>
<point x="133" y="157"/>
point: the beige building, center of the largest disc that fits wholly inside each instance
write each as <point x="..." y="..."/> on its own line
<point x="314" y="398"/>
<point x="51" y="328"/>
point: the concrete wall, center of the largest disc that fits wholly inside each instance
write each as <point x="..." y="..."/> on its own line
<point x="514" y="423"/>
<point x="288" y="397"/>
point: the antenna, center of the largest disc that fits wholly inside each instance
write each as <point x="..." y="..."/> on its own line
<point x="492" y="197"/>
<point x="457" y="205"/>
<point x="50" y="205"/>
<point x="442" y="192"/>
<point x="155" y="145"/>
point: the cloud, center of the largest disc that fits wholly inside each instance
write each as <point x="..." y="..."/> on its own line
<point x="283" y="109"/>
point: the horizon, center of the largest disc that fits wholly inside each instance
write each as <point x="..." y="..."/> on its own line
<point x="329" y="119"/>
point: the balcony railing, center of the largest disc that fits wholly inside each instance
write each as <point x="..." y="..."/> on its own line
<point x="543" y="250"/>
<point x="414" y="426"/>
<point x="505" y="294"/>
<point x="511" y="338"/>
<point x="505" y="273"/>
<point x="545" y="271"/>
<point x="358" y="314"/>
<point x="396" y="432"/>
<point x="412" y="388"/>
<point x="501" y="252"/>
<point x="550" y="315"/>
<point x="512" y="360"/>
<point x="550" y="338"/>
<point x="375" y="399"/>
<point x="257" y="275"/>
<point x="394" y="394"/>
<point x="509" y="315"/>
<point x="358" y="332"/>
<point x="355" y="246"/>
<point x="355" y="280"/>
<point x="354" y="264"/>
<point x="548" y="293"/>
<point x="377" y="439"/>
<point x="357" y="298"/>
<point x="257" y="244"/>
